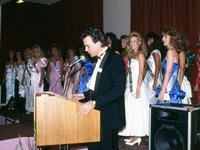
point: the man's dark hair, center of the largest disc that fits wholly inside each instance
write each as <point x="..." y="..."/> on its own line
<point x="96" y="35"/>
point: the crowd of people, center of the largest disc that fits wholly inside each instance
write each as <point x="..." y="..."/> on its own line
<point x="157" y="71"/>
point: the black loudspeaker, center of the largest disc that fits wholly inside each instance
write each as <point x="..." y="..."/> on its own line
<point x="174" y="127"/>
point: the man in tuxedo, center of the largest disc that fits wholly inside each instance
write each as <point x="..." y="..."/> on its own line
<point x="106" y="89"/>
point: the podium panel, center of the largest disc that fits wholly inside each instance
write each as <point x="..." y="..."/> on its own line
<point x="57" y="121"/>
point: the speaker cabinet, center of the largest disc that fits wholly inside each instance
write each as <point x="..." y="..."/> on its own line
<point x="174" y="127"/>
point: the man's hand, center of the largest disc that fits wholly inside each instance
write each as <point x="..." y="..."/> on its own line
<point x="77" y="97"/>
<point x="86" y="108"/>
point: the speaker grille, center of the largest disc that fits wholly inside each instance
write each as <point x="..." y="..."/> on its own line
<point x="168" y="138"/>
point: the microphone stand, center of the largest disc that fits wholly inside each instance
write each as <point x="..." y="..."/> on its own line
<point x="67" y="79"/>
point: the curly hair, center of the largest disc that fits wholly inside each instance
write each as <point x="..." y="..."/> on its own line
<point x="96" y="35"/>
<point x="34" y="47"/>
<point x="183" y="43"/>
<point x="175" y="38"/>
<point x="142" y="47"/>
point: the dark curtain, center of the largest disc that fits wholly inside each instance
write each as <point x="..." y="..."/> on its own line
<point x="62" y="23"/>
<point x="154" y="15"/>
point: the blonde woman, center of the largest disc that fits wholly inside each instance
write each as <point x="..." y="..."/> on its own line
<point x="136" y="96"/>
<point x="36" y="66"/>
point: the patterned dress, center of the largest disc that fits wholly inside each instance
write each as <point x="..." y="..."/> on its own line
<point x="19" y="75"/>
<point x="87" y="73"/>
<point x="10" y="82"/>
<point x="55" y="78"/>
<point x="173" y="93"/>
<point x="35" y="69"/>
<point x="28" y="89"/>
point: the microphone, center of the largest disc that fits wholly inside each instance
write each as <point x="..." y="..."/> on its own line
<point x="74" y="63"/>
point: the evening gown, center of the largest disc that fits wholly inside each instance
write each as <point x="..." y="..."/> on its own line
<point x="19" y="75"/>
<point x="136" y="109"/>
<point x="173" y="93"/>
<point x="36" y="75"/>
<point x="55" y="78"/>
<point x="28" y="89"/>
<point x="87" y="73"/>
<point x="186" y="86"/>
<point x="10" y="82"/>
<point x="150" y="74"/>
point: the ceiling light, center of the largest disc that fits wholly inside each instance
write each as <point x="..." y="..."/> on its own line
<point x="19" y="1"/>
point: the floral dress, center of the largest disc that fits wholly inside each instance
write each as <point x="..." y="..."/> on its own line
<point x="35" y="69"/>
<point x="10" y="82"/>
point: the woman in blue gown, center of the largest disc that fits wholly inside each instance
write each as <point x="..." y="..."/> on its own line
<point x="85" y="75"/>
<point x="170" y="90"/>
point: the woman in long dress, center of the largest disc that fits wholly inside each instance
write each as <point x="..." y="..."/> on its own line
<point x="20" y="67"/>
<point x="55" y="72"/>
<point x="36" y="65"/>
<point x="71" y="74"/>
<point x="170" y="90"/>
<point x="136" y="96"/>
<point x="9" y="76"/>
<point x="183" y="81"/>
<point x="153" y="76"/>
<point x="27" y="82"/>
<point x="85" y="74"/>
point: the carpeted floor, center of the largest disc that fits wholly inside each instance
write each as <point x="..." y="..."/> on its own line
<point x="27" y="120"/>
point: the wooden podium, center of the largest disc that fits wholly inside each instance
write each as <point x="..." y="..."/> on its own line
<point x="57" y="121"/>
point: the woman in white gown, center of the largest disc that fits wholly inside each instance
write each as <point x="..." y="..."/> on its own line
<point x="153" y="76"/>
<point x="20" y="67"/>
<point x="136" y="97"/>
<point x="27" y="82"/>
<point x="9" y="76"/>
<point x="183" y="81"/>
<point x="36" y="66"/>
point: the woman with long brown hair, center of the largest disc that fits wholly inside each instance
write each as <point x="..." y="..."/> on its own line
<point x="170" y="90"/>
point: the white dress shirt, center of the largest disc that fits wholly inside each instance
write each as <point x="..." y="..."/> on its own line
<point x="92" y="81"/>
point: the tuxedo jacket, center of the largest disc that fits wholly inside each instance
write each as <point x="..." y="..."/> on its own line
<point x="109" y="91"/>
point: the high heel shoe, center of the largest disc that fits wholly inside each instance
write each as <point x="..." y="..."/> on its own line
<point x="128" y="140"/>
<point x="138" y="141"/>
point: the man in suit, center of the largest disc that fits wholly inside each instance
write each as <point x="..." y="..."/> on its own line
<point x="106" y="89"/>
